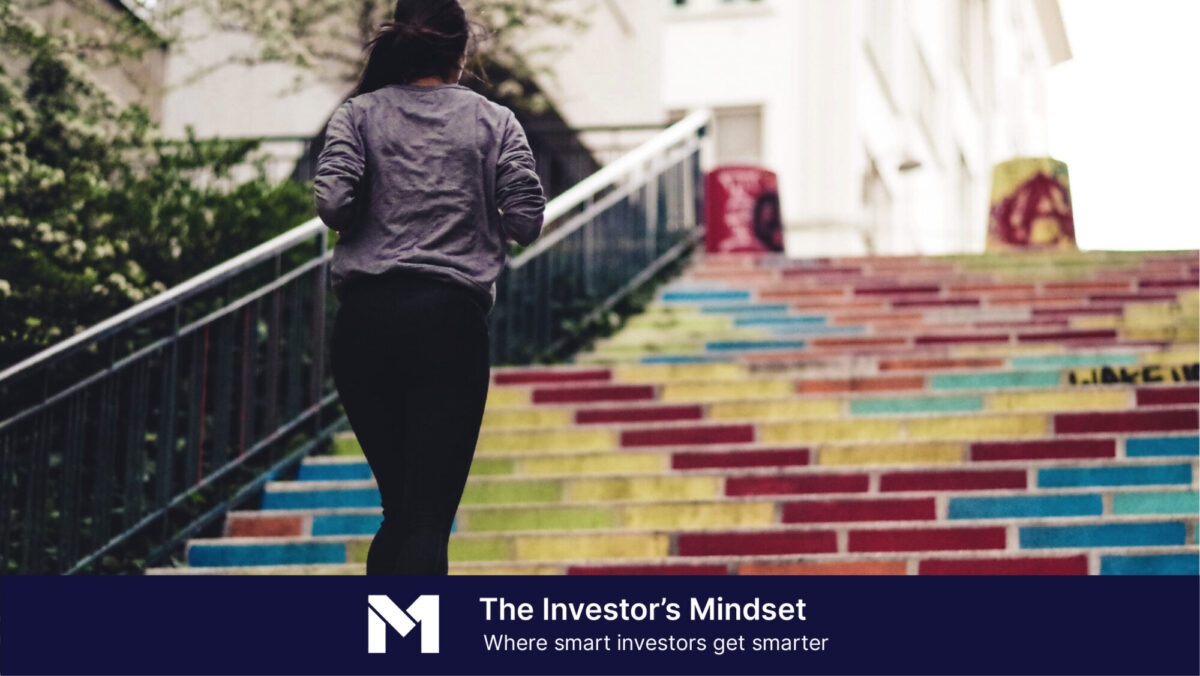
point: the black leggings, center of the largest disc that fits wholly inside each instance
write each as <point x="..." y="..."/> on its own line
<point x="411" y="363"/>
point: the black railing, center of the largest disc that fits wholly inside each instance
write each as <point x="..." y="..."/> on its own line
<point x="139" y="432"/>
<point x="603" y="238"/>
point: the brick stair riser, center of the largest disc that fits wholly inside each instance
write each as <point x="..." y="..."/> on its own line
<point x="1025" y="536"/>
<point x="1136" y="561"/>
<point x="1165" y="499"/>
<point x="899" y="429"/>
<point x="836" y="456"/>
<point x="510" y="382"/>
<point x="681" y="404"/>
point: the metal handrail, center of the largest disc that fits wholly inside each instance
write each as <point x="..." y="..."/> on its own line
<point x="609" y="175"/>
<point x="556" y="209"/>
<point x="169" y="298"/>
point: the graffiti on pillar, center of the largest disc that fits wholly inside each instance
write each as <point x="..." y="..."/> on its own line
<point x="1031" y="206"/>
<point x="1134" y="375"/>
<point x="742" y="211"/>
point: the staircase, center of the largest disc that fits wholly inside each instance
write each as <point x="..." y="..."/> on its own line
<point x="1015" y="414"/>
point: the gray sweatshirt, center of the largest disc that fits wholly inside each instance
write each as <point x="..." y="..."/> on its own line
<point x="430" y="180"/>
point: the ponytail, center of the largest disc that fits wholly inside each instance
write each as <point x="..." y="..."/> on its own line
<point x="427" y="38"/>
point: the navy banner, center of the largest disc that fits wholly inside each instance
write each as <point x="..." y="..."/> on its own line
<point x="628" y="625"/>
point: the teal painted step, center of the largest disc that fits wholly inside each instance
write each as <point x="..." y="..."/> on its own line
<point x="818" y="330"/>
<point x="754" y="345"/>
<point x="916" y="405"/>
<point x="346" y="524"/>
<point x="1074" y="360"/>
<point x="1162" y="446"/>
<point x="687" y="359"/>
<point x="342" y="471"/>
<point x="987" y="381"/>
<point x="295" y="553"/>
<point x="742" y="309"/>
<point x="1105" y="535"/>
<point x="353" y="524"/>
<point x="1026" y="506"/>
<point x="1157" y="564"/>
<point x="781" y="321"/>
<point x="1115" y="476"/>
<point x="323" y="499"/>
<point x="704" y="296"/>
<point x="1182" y="502"/>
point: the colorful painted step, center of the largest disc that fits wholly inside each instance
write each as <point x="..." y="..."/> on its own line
<point x="1017" y="414"/>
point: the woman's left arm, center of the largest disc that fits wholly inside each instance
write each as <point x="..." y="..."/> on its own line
<point x="340" y="169"/>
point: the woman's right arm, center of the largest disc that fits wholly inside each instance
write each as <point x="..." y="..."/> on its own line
<point x="518" y="188"/>
<point x="340" y="168"/>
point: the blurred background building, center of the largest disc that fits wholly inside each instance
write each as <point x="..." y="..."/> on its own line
<point x="883" y="118"/>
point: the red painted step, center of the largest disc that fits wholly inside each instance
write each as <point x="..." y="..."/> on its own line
<point x="587" y="395"/>
<point x="926" y="539"/>
<point x="787" y="485"/>
<point x="266" y="527"/>
<point x="1158" y="396"/>
<point x="1044" y="450"/>
<point x="757" y="544"/>
<point x="1072" y="565"/>
<point x="936" y="364"/>
<point x="896" y="290"/>
<point x="650" y="414"/>
<point x="964" y="480"/>
<point x="678" y="569"/>
<point x="680" y="436"/>
<point x="1169" y="283"/>
<point x="768" y="458"/>
<point x="1099" y="334"/>
<point x="952" y="339"/>
<point x="1128" y="421"/>
<point x="937" y="302"/>
<point x="818" y="511"/>
<point x="533" y="377"/>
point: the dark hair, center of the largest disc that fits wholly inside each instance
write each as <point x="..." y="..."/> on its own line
<point x="426" y="38"/>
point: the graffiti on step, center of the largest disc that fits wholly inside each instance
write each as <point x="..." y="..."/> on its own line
<point x="1132" y="375"/>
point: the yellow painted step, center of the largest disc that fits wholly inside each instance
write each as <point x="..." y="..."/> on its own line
<point x="615" y="463"/>
<point x="581" y="440"/>
<point x="644" y="488"/>
<point x="979" y="427"/>
<point x="527" y="418"/>
<point x="892" y="454"/>
<point x="640" y="374"/>
<point x="1056" y="401"/>
<point x="776" y="410"/>
<point x="583" y="547"/>
<point x="727" y="391"/>
<point x="830" y="430"/>
<point x="701" y="516"/>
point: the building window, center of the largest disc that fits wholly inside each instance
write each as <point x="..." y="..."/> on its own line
<point x="739" y="135"/>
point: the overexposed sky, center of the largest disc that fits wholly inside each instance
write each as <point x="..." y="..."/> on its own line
<point x="1125" y="116"/>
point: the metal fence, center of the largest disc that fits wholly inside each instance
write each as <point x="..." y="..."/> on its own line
<point x="137" y="424"/>
<point x="602" y="239"/>
<point x="147" y="428"/>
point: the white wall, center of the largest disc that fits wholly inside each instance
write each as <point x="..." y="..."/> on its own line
<point x="826" y="110"/>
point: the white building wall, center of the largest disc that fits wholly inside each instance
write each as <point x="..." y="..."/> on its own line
<point x="834" y="114"/>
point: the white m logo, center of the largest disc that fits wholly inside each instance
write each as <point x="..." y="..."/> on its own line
<point x="381" y="613"/>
